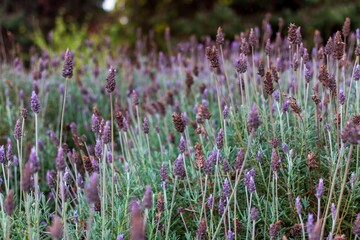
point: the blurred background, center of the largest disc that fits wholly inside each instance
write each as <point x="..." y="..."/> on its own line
<point x="56" y="25"/>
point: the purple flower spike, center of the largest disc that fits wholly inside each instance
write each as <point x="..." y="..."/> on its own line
<point x="254" y="214"/>
<point x="60" y="161"/>
<point x="333" y="211"/>
<point x="226" y="189"/>
<point x="357" y="72"/>
<point x="230" y="235"/>
<point x="18" y="130"/>
<point x="298" y="206"/>
<point x="34" y="161"/>
<point x="342" y="98"/>
<point x="35" y="104"/>
<point x="179" y="168"/>
<point x="2" y="154"/>
<point x="182" y="146"/>
<point x="147" y="200"/>
<point x="254" y="120"/>
<point x="310" y="223"/>
<point x="320" y="189"/>
<point x="163" y="173"/>
<point x="220" y="139"/>
<point x="106" y="136"/>
<point x="210" y="201"/>
<point x="146" y="127"/>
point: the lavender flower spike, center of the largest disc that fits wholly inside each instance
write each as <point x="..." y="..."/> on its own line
<point x="67" y="71"/>
<point x="34" y="102"/>
<point x="18" y="130"/>
<point x="60" y="161"/>
<point x="2" y="154"/>
<point x="320" y="189"/>
<point x="298" y="206"/>
<point x="254" y="120"/>
<point x="220" y="139"/>
<point x="147" y="200"/>
<point x="182" y="146"/>
<point x="110" y="80"/>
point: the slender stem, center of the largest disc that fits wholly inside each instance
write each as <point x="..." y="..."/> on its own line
<point x="171" y="208"/>
<point x="113" y="158"/>
<point x="343" y="183"/>
<point x="63" y="111"/>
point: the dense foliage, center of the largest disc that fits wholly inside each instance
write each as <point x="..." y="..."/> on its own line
<point x="253" y="138"/>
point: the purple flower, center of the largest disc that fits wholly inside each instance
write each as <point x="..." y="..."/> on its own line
<point x="230" y="235"/>
<point x="146" y="127"/>
<point x="298" y="206"/>
<point x="259" y="156"/>
<point x="226" y="189"/>
<point x="357" y="72"/>
<point x="210" y="201"/>
<point x="241" y="63"/>
<point x="221" y="207"/>
<point x="2" y="154"/>
<point x="285" y="106"/>
<point x="18" y="130"/>
<point x="67" y="71"/>
<point x="182" y="146"/>
<point x="9" y="152"/>
<point x="310" y="223"/>
<point x="225" y="166"/>
<point x="109" y="157"/>
<point x="92" y="191"/>
<point x="106" y="136"/>
<point x="147" y="199"/>
<point x="95" y="124"/>
<point x="120" y="237"/>
<point x="333" y="211"/>
<point x="110" y="80"/>
<point x="285" y="148"/>
<point x="60" y="161"/>
<point x="98" y="149"/>
<point x="254" y="213"/>
<point x="220" y="139"/>
<point x="51" y="178"/>
<point x="163" y="173"/>
<point x="179" y="168"/>
<point x="226" y="112"/>
<point x="320" y="189"/>
<point x="35" y="104"/>
<point x="254" y="120"/>
<point x="341" y="98"/>
<point x="34" y="161"/>
<point x="80" y="181"/>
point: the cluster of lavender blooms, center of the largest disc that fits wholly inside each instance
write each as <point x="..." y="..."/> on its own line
<point x="250" y="138"/>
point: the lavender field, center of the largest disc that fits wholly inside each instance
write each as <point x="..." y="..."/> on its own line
<point x="248" y="137"/>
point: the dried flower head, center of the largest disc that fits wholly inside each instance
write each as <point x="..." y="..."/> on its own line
<point x="212" y="55"/>
<point x="293" y="105"/>
<point x="329" y="47"/>
<point x="67" y="71"/>
<point x="24" y="113"/>
<point x="311" y="159"/>
<point x="199" y="157"/>
<point x="351" y="133"/>
<point x="179" y="122"/>
<point x="252" y="38"/>
<point x="241" y="63"/>
<point x="292" y="33"/>
<point x="338" y="47"/>
<point x="274" y="230"/>
<point x="201" y="233"/>
<point x="220" y="37"/>
<point x="110" y="80"/>
<point x="268" y="84"/>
